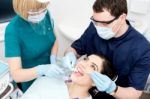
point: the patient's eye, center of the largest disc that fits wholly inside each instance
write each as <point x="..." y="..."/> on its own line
<point x="93" y="66"/>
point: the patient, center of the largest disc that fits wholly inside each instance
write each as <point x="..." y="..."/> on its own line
<point x="81" y="82"/>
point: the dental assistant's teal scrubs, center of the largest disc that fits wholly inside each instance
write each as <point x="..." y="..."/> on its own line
<point x="34" y="48"/>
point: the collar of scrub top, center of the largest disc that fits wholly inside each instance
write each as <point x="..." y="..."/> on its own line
<point x="43" y="1"/>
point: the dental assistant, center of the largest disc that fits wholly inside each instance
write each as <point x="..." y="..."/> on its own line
<point x="30" y="42"/>
<point x="110" y="34"/>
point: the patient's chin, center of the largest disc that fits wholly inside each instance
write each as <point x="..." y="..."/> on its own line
<point x="79" y="78"/>
<point x="75" y="77"/>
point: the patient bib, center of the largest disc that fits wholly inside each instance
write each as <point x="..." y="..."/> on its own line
<point x="47" y="88"/>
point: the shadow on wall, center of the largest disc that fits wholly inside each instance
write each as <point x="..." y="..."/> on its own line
<point x="6" y="10"/>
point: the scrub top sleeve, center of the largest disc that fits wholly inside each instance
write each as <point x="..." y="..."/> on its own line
<point x="12" y="48"/>
<point x="141" y="70"/>
<point x="80" y="45"/>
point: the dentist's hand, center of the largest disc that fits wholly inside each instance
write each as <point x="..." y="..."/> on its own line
<point x="53" y="59"/>
<point x="69" y="60"/>
<point x="103" y="82"/>
<point x="50" y="70"/>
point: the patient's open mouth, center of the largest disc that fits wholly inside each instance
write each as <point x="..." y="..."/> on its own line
<point x="78" y="71"/>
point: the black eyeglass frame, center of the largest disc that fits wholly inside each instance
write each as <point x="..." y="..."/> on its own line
<point x="104" y="22"/>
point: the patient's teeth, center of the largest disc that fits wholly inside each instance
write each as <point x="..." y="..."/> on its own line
<point x="75" y="70"/>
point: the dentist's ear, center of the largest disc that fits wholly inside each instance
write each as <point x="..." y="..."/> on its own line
<point x="122" y="19"/>
<point x="123" y="16"/>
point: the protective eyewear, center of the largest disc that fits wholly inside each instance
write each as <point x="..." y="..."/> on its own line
<point x="102" y="22"/>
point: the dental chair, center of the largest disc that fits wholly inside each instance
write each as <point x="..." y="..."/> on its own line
<point x="47" y="88"/>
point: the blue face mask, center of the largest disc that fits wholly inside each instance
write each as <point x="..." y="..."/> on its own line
<point x="105" y="32"/>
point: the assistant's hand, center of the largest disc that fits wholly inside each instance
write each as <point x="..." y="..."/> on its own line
<point x="103" y="82"/>
<point x="55" y="71"/>
<point x="53" y="59"/>
<point x="50" y="70"/>
<point x="69" y="60"/>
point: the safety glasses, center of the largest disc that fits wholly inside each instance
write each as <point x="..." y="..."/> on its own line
<point x="102" y="22"/>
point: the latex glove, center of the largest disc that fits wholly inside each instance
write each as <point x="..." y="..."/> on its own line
<point x="50" y="70"/>
<point x="103" y="82"/>
<point x="53" y="59"/>
<point x="69" y="60"/>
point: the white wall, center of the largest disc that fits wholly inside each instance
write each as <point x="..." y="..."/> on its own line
<point x="139" y="13"/>
<point x="71" y="11"/>
<point x="71" y="18"/>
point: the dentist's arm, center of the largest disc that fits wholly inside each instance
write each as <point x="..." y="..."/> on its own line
<point x="127" y="93"/>
<point x="104" y="83"/>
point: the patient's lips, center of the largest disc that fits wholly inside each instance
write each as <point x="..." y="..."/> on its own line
<point x="78" y="71"/>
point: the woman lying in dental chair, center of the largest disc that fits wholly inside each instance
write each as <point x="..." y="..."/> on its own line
<point x="83" y="79"/>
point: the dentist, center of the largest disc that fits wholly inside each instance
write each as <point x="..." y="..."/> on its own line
<point x="30" y="42"/>
<point x="110" y="34"/>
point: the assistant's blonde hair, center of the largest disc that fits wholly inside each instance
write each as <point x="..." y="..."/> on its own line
<point x="22" y="7"/>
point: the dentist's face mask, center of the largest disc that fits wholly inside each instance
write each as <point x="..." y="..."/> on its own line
<point x="103" y="31"/>
<point x="36" y="16"/>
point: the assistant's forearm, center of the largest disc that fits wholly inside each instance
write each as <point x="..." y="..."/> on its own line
<point x="127" y="93"/>
<point x="23" y="75"/>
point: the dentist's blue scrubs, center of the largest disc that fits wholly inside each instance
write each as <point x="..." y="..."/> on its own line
<point x="34" y="48"/>
<point x="130" y="54"/>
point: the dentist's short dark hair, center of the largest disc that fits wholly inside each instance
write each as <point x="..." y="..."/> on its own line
<point x="115" y="7"/>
